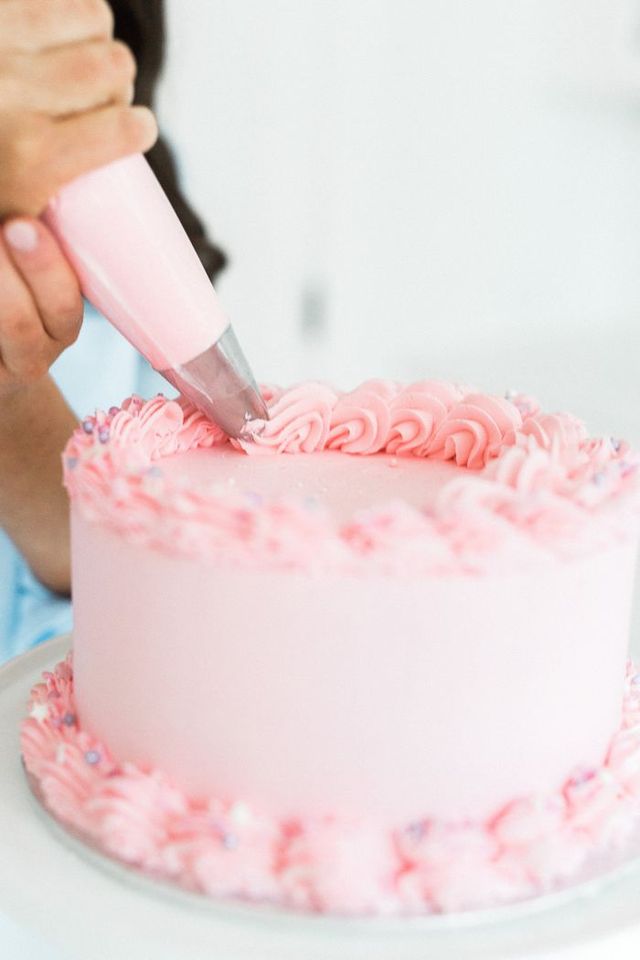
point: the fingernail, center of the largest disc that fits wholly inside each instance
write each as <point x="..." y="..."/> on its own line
<point x="21" y="236"/>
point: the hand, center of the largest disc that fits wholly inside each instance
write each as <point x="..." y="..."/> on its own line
<point x="65" y="92"/>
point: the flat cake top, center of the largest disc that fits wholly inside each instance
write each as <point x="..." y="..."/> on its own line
<point x="426" y="479"/>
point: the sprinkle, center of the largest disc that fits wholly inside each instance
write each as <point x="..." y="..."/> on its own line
<point x="113" y="411"/>
<point x="103" y="434"/>
<point x="598" y="478"/>
<point x="416" y="831"/>
<point x="635" y="680"/>
<point x="39" y="711"/>
<point x="310" y="503"/>
<point x="153" y="472"/>
<point x="230" y="841"/>
<point x="616" y="444"/>
<point x="240" y="814"/>
<point x="393" y="462"/>
<point x="72" y="462"/>
<point x="255" y="498"/>
<point x="92" y="757"/>
<point x="69" y="719"/>
<point x="580" y="779"/>
<point x="88" y="426"/>
<point x="61" y="753"/>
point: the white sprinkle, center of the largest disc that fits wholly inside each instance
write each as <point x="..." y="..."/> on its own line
<point x="39" y="712"/>
<point x="240" y="814"/>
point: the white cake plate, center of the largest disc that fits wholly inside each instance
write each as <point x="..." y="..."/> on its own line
<point x="89" y="907"/>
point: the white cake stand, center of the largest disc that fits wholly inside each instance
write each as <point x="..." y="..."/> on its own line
<point x="90" y="909"/>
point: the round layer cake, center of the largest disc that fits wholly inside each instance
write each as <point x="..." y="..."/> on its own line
<point x="372" y="660"/>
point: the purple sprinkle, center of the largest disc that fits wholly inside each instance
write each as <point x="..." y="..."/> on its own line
<point x="69" y="719"/>
<point x="635" y="680"/>
<point x="416" y="831"/>
<point x="616" y="444"/>
<point x="254" y="498"/>
<point x="230" y="841"/>
<point x="599" y="479"/>
<point x="92" y="757"/>
<point x="154" y="472"/>
<point x="88" y="426"/>
<point x="103" y="434"/>
<point x="579" y="779"/>
<point x="113" y="411"/>
<point x="72" y="462"/>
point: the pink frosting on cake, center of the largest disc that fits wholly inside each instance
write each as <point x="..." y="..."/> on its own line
<point x="397" y="605"/>
<point x="354" y="866"/>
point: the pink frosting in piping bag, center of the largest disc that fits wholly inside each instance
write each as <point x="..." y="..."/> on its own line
<point x="135" y="262"/>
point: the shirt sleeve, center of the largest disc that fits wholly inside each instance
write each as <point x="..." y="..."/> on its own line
<point x="38" y="614"/>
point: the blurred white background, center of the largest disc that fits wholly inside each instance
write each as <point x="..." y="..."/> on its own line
<point x="414" y="188"/>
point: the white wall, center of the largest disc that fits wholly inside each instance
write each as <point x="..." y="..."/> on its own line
<point x="422" y="187"/>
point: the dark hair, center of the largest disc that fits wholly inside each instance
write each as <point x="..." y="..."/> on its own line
<point x="141" y="25"/>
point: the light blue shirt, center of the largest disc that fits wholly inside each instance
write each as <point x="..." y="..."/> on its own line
<point x="100" y="370"/>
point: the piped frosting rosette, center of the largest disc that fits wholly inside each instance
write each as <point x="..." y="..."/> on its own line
<point x="531" y="486"/>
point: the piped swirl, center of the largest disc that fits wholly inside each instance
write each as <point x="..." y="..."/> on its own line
<point x="531" y="486"/>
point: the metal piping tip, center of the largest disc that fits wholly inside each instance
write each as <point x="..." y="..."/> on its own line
<point x="220" y="383"/>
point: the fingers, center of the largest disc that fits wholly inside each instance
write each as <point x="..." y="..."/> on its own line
<point x="49" y="277"/>
<point x="86" y="141"/>
<point x="33" y="25"/>
<point x="40" y="302"/>
<point x="69" y="79"/>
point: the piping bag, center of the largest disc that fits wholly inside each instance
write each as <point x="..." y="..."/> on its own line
<point x="136" y="265"/>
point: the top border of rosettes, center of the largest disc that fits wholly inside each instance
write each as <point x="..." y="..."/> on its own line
<point x="532" y="484"/>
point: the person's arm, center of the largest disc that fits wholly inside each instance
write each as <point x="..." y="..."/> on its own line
<point x="66" y="88"/>
<point x="35" y="423"/>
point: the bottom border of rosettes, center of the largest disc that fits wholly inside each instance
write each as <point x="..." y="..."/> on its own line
<point x="139" y="817"/>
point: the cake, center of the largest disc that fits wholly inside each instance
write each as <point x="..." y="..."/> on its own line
<point x="371" y="661"/>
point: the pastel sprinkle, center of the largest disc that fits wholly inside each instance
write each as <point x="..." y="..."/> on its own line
<point x="92" y="757"/>
<point x="103" y="434"/>
<point x="69" y="719"/>
<point x="580" y="779"/>
<point x="416" y="831"/>
<point x="113" y="411"/>
<point x="88" y="426"/>
<point x="599" y="478"/>
<point x="72" y="462"/>
<point x="230" y="841"/>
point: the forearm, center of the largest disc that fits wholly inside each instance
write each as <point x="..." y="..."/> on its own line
<point x="35" y="424"/>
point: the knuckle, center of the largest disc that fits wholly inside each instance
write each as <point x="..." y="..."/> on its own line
<point x="18" y="326"/>
<point x="101" y="16"/>
<point x="132" y="127"/>
<point x="123" y="60"/>
<point x="31" y="144"/>
<point x="95" y="16"/>
<point x="69" y="318"/>
<point x="35" y="16"/>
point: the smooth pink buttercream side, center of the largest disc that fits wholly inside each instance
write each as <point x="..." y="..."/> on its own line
<point x="443" y="696"/>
